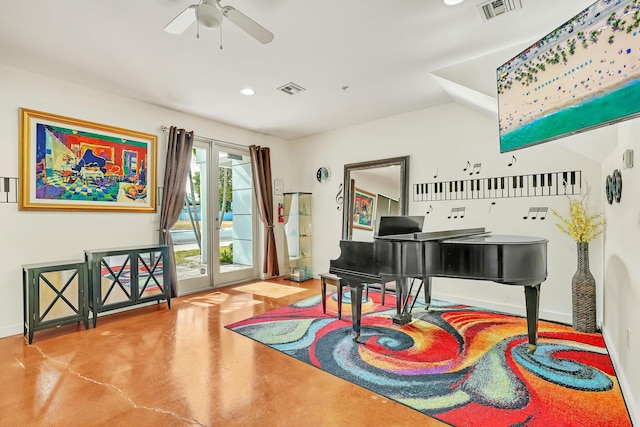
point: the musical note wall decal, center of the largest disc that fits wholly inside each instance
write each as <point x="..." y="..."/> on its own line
<point x="339" y="198"/>
<point x="436" y="175"/>
<point x="466" y="167"/>
<point x="476" y="168"/>
<point x="531" y="213"/>
<point x="492" y="205"/>
<point x="536" y="212"/>
<point x="430" y="209"/>
<point x="457" y="212"/>
<point x="513" y="160"/>
<point x="543" y="211"/>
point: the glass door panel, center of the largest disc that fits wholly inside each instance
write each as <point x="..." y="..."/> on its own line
<point x="235" y="230"/>
<point x="189" y="234"/>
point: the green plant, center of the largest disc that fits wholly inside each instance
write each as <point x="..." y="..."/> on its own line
<point x="226" y="254"/>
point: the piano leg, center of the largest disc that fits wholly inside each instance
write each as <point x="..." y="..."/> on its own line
<point x="427" y="292"/>
<point x="356" y="308"/>
<point x="403" y="314"/>
<point x="340" y="284"/>
<point x="532" y="300"/>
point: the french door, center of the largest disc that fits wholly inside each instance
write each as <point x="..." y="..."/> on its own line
<point x="214" y="237"/>
<point x="235" y="221"/>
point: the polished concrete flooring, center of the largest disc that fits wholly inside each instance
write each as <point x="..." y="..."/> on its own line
<point x="180" y="367"/>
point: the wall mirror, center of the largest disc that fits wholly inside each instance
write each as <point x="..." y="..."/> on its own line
<point x="383" y="181"/>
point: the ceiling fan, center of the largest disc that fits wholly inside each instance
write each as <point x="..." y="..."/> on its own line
<point x="209" y="13"/>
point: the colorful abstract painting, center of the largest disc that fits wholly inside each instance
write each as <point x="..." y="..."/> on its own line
<point x="73" y="164"/>
<point x="463" y="365"/>
<point x="364" y="206"/>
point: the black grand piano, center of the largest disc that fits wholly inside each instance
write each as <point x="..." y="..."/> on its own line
<point x="401" y="252"/>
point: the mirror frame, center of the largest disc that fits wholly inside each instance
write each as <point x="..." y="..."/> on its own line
<point x="403" y="162"/>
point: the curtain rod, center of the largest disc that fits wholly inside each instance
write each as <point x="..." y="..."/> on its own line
<point x="165" y="129"/>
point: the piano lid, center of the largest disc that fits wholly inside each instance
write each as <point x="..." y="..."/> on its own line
<point x="493" y="239"/>
<point x="435" y="235"/>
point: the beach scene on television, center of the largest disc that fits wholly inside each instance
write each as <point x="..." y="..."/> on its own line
<point x="582" y="75"/>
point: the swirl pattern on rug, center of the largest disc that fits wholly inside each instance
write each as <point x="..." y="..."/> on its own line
<point x="463" y="365"/>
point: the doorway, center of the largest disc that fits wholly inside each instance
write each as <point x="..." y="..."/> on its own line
<point x="214" y="236"/>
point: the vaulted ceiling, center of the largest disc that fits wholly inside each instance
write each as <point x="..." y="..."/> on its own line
<point x="358" y="60"/>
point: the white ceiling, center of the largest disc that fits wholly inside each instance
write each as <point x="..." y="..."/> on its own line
<point x="386" y="52"/>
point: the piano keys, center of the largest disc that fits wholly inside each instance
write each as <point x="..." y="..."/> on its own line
<point x="463" y="254"/>
<point x="8" y="190"/>
<point x="531" y="185"/>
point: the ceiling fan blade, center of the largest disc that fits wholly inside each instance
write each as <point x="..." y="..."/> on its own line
<point x="180" y="23"/>
<point x="247" y="24"/>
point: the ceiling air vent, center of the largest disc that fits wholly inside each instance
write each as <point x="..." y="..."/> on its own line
<point x="291" y="88"/>
<point x="491" y="9"/>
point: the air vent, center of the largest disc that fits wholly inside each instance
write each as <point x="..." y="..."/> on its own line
<point x="491" y="9"/>
<point x="291" y="88"/>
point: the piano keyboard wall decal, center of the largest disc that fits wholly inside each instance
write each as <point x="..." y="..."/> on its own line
<point x="533" y="185"/>
<point x="8" y="190"/>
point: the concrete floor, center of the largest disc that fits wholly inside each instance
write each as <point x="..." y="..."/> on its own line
<point x="153" y="366"/>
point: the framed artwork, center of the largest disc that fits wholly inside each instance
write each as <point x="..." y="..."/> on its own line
<point x="364" y="209"/>
<point x="70" y="164"/>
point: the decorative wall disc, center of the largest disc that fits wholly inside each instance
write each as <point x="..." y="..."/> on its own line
<point x="608" y="189"/>
<point x="617" y="185"/>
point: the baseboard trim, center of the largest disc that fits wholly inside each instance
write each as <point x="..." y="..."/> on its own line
<point x="629" y="399"/>
<point x="551" y="316"/>
<point x="10" y="330"/>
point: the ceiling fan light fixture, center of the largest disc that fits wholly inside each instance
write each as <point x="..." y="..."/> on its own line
<point x="451" y="2"/>
<point x="209" y="15"/>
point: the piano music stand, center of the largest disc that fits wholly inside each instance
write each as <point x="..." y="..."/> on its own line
<point x="388" y="225"/>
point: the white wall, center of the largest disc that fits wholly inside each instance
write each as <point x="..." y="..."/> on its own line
<point x="28" y="237"/>
<point x="443" y="139"/>
<point x="622" y="267"/>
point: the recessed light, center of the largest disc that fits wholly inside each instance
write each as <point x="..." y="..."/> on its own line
<point x="451" y="2"/>
<point x="247" y="91"/>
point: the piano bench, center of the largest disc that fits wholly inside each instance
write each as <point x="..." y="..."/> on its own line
<point x="334" y="281"/>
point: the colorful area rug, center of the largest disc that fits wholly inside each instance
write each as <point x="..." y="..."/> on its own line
<point x="462" y="365"/>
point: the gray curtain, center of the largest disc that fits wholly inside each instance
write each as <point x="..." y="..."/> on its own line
<point x="179" y="147"/>
<point x="261" y="168"/>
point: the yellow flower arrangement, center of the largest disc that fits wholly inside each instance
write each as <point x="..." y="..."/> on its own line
<point x="581" y="226"/>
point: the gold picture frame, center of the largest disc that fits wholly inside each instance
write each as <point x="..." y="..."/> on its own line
<point x="71" y="164"/>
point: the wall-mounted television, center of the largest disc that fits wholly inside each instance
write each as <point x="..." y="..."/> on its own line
<point x="584" y="74"/>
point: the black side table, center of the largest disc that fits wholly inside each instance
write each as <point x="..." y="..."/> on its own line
<point x="54" y="294"/>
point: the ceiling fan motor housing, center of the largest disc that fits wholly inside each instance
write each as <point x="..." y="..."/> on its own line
<point x="209" y="15"/>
